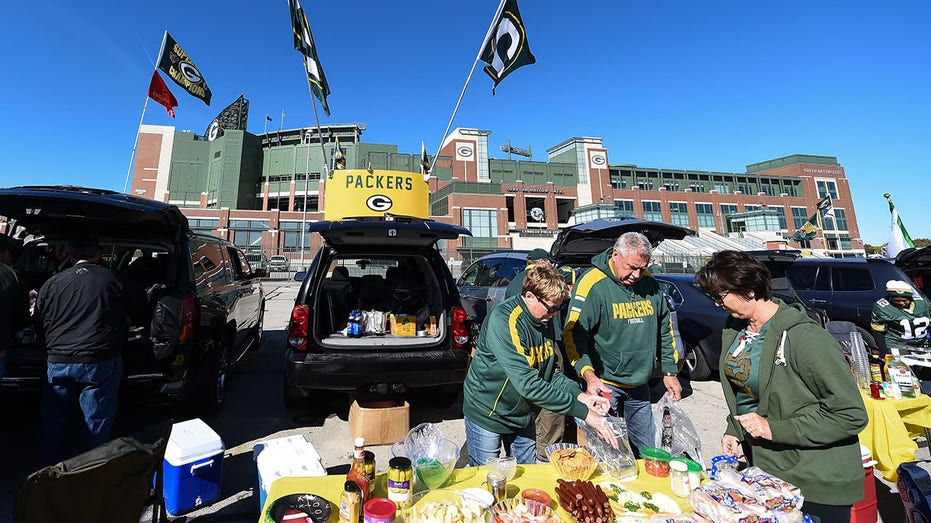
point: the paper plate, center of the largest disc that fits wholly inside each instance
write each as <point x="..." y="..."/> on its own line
<point x="316" y="508"/>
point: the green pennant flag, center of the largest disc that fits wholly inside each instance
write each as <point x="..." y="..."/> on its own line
<point x="809" y="230"/>
<point x="174" y="62"/>
<point x="304" y="42"/>
<point x="506" y="47"/>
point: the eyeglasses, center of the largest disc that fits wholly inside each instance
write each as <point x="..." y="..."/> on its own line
<point x="550" y="309"/>
<point x="719" y="297"/>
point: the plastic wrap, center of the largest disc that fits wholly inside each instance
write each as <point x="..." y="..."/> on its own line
<point x="681" y="437"/>
<point x="619" y="463"/>
<point x="748" y="495"/>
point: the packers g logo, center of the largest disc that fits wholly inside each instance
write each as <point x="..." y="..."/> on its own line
<point x="190" y="72"/>
<point x="379" y="203"/>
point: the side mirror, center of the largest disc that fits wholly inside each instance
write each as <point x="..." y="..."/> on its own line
<point x="300" y="275"/>
<point x="260" y="273"/>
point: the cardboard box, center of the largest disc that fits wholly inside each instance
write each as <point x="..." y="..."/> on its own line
<point x="193" y="466"/>
<point x="379" y="424"/>
<point x="915" y="490"/>
<point x="403" y="324"/>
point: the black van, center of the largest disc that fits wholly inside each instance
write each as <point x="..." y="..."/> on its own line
<point x="204" y="304"/>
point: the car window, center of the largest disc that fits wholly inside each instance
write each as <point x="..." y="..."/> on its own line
<point x="238" y="263"/>
<point x="507" y="269"/>
<point x="851" y="279"/>
<point x="809" y="278"/>
<point x="209" y="266"/>
<point x="471" y="274"/>
<point x="672" y="293"/>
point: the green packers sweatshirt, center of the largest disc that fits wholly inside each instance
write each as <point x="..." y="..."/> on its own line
<point x="513" y="373"/>
<point x="617" y="330"/>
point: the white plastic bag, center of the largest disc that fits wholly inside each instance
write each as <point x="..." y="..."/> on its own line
<point x="675" y="431"/>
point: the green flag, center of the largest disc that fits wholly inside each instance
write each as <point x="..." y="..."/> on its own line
<point x="304" y="42"/>
<point x="506" y="47"/>
<point x="174" y="62"/>
<point x="809" y="230"/>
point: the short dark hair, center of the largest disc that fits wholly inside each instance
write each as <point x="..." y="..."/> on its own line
<point x="83" y="247"/>
<point x="736" y="272"/>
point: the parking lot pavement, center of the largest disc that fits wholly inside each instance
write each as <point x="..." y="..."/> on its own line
<point x="255" y="412"/>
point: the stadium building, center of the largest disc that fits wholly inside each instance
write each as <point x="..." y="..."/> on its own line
<point x="260" y="191"/>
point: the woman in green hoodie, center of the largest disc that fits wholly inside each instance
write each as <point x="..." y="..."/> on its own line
<point x="795" y="410"/>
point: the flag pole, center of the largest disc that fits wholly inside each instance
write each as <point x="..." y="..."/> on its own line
<point x="326" y="169"/>
<point x="478" y="56"/>
<point x="132" y="155"/>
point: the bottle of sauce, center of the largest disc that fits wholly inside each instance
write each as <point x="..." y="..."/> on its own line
<point x="350" y="503"/>
<point x="666" y="434"/>
<point x="357" y="473"/>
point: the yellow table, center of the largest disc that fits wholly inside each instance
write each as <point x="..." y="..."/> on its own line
<point x="893" y="425"/>
<point x="537" y="476"/>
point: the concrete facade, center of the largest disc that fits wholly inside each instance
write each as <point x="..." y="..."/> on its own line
<point x="259" y="191"/>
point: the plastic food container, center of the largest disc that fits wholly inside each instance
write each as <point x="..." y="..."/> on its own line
<point x="534" y="494"/>
<point x="655" y="461"/>
<point x="694" y="470"/>
<point x="379" y="510"/>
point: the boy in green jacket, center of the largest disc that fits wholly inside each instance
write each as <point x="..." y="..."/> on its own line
<point x="513" y="374"/>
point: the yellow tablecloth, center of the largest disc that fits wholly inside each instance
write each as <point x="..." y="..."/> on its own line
<point x="892" y="427"/>
<point x="537" y="476"/>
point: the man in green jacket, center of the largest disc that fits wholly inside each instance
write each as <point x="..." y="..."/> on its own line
<point x="618" y="321"/>
<point x="513" y="374"/>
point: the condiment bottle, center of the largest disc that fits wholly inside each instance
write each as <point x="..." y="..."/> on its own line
<point x="400" y="477"/>
<point x="498" y="486"/>
<point x="357" y="470"/>
<point x="679" y="478"/>
<point x="350" y="503"/>
<point x="370" y="466"/>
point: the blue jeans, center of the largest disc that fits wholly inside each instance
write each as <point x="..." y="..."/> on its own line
<point x="637" y="412"/>
<point x="92" y="387"/>
<point x="484" y="444"/>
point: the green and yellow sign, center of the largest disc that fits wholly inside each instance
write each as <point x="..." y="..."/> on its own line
<point x="359" y="192"/>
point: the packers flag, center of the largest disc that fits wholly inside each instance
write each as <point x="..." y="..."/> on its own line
<point x="304" y="42"/>
<point x="506" y="47"/>
<point x="809" y="230"/>
<point x="173" y="61"/>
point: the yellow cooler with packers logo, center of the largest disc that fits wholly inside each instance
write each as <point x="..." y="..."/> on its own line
<point x="352" y="193"/>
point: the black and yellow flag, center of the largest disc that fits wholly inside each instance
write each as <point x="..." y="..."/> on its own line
<point x="809" y="230"/>
<point x="174" y="62"/>
<point x="304" y="42"/>
<point x="506" y="47"/>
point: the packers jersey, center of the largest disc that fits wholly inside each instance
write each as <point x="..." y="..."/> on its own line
<point x="902" y="327"/>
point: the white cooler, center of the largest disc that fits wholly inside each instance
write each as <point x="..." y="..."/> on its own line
<point x="193" y="466"/>
<point x="287" y="457"/>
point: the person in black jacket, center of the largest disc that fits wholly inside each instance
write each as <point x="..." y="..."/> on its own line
<point x="14" y="306"/>
<point x="82" y="312"/>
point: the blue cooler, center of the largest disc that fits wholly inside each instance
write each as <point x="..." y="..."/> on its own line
<point x="193" y="466"/>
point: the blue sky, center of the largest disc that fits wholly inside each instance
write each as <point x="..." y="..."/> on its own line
<point x="677" y="84"/>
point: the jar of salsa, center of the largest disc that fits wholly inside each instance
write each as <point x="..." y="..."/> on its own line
<point x="655" y="461"/>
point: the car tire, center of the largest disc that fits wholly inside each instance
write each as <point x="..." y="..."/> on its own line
<point x="257" y="335"/>
<point x="696" y="363"/>
<point x="294" y="398"/>
<point x="210" y="394"/>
